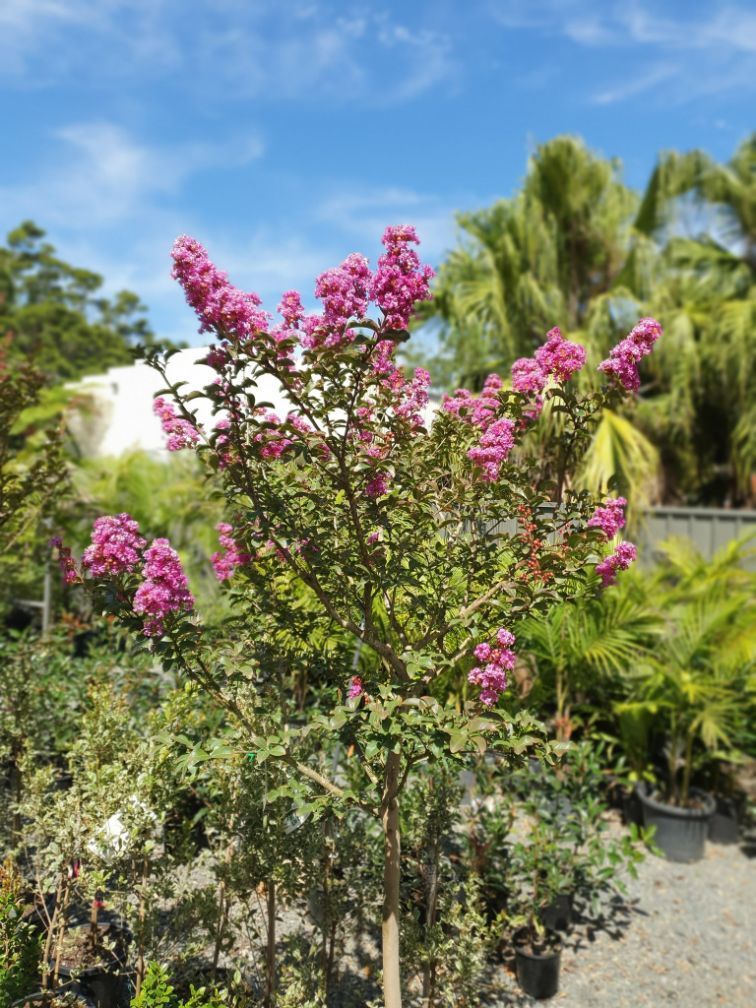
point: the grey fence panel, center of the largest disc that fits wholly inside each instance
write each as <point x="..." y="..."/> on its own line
<point x="709" y="529"/>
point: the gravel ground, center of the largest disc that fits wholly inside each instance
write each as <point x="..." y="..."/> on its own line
<point x="687" y="937"/>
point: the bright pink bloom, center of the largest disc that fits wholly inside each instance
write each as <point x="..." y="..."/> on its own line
<point x="414" y="398"/>
<point x="610" y="517"/>
<point x="623" y="556"/>
<point x="219" y="305"/>
<point x="226" y="561"/>
<point x="462" y="399"/>
<point x="116" y="546"/>
<point x="355" y="687"/>
<point x="344" y="291"/>
<point x="216" y="358"/>
<point x="492" y="450"/>
<point x="559" y="358"/>
<point x="400" y="281"/>
<point x="478" y="410"/>
<point x="65" y="561"/>
<point x="499" y="658"/>
<point x="382" y="359"/>
<point x="272" y="440"/>
<point x="528" y="375"/>
<point x="165" y="588"/>
<point x="290" y="308"/>
<point x="622" y="362"/>
<point x="378" y="485"/>
<point x="181" y="433"/>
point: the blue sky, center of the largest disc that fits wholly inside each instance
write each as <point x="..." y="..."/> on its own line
<point x="285" y="135"/>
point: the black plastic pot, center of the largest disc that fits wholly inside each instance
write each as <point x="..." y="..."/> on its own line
<point x="557" y="915"/>
<point x="724" y="825"/>
<point x="538" y="973"/>
<point x="680" y="832"/>
<point x="632" y="811"/>
<point x="106" y="982"/>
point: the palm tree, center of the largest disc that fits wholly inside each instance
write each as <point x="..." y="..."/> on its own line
<point x="705" y="372"/>
<point x="730" y="189"/>
<point x="581" y="651"/>
<point x="536" y="260"/>
<point x="576" y="248"/>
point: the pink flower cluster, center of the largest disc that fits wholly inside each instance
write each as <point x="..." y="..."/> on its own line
<point x="610" y="517"/>
<point x="226" y="561"/>
<point x="165" y="588"/>
<point x="413" y="398"/>
<point x="378" y="485"/>
<point x="558" y="358"/>
<point x="497" y="437"/>
<point x="528" y="376"/>
<point x="622" y="362"/>
<point x="355" y="687"/>
<point x="116" y="546"/>
<point x="400" y="280"/>
<point x="493" y="449"/>
<point x="181" y="433"/>
<point x="65" y="561"/>
<point x="344" y="291"/>
<point x="620" y="559"/>
<point x="478" y="410"/>
<point x="499" y="658"/>
<point x="290" y="308"/>
<point x="218" y="304"/>
<point x="272" y="440"/>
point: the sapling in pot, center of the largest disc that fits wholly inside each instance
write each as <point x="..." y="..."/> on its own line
<point x="538" y="878"/>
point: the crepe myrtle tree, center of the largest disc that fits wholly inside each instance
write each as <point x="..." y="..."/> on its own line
<point x="425" y="541"/>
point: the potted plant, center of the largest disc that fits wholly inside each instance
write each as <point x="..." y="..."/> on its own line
<point x="537" y="879"/>
<point x="691" y="693"/>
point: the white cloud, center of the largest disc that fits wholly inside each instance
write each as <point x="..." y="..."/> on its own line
<point x="688" y="53"/>
<point x="636" y="84"/>
<point x="97" y="174"/>
<point x="364" y="213"/>
<point x="260" y="49"/>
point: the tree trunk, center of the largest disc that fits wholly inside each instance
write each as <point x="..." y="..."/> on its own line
<point x="270" y="950"/>
<point x="431" y="910"/>
<point x="392" y="987"/>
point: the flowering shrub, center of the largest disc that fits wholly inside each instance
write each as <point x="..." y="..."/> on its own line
<point x="392" y="524"/>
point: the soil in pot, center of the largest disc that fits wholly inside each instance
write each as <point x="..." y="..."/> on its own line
<point x="68" y="996"/>
<point x="680" y="833"/>
<point x="537" y="965"/>
<point x="98" y="966"/>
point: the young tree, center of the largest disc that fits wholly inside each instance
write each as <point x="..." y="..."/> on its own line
<point x="424" y="543"/>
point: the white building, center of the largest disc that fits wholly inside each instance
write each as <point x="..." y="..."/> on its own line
<point x="117" y="415"/>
